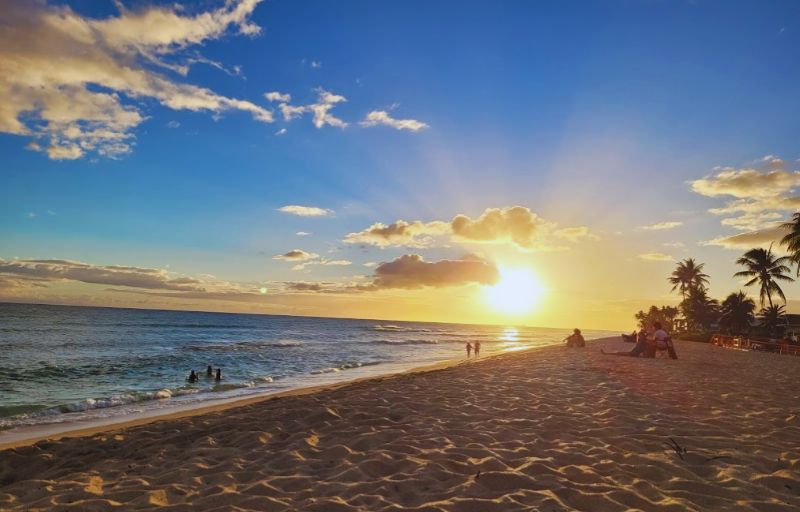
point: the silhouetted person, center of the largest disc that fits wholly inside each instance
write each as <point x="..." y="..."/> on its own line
<point x="469" y="349"/>
<point x="477" y="348"/>
<point x="209" y="372"/>
<point x="219" y="374"/>
<point x="575" y="339"/>
<point x="640" y="348"/>
<point x="192" y="377"/>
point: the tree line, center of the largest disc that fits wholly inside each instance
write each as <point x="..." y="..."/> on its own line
<point x="737" y="312"/>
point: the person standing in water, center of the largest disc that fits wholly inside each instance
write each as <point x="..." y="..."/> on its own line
<point x="192" y="377"/>
<point x="209" y="372"/>
<point x="477" y="348"/>
<point x="219" y="374"/>
<point x="469" y="349"/>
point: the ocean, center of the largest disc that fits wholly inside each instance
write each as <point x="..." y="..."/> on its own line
<point x="62" y="364"/>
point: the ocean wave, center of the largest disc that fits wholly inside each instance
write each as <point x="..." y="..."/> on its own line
<point x="397" y="328"/>
<point x="344" y="366"/>
<point x="244" y="346"/>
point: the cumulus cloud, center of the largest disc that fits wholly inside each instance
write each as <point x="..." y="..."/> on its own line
<point x="760" y="195"/>
<point x="517" y="225"/>
<point x="381" y="117"/>
<point x="305" y="211"/>
<point x="412" y="271"/>
<point x="661" y="226"/>
<point x="656" y="256"/>
<point x="76" y="84"/>
<point x="400" y="233"/>
<point x="296" y="255"/>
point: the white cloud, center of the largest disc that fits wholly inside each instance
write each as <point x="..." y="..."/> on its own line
<point x="282" y="131"/>
<point x="661" y="226"/>
<point x="305" y="211"/>
<point x="400" y="233"/>
<point x="76" y="83"/>
<point x="277" y="96"/>
<point x="516" y="225"/>
<point x="761" y="195"/>
<point x="321" y="110"/>
<point x="173" y="124"/>
<point x="303" y="233"/>
<point x="381" y="117"/>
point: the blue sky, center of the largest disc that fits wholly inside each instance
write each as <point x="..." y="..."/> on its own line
<point x="593" y="114"/>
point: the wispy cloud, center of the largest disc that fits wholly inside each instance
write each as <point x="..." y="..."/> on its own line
<point x="759" y="238"/>
<point x="296" y="255"/>
<point x="381" y="117"/>
<point x="656" y="256"/>
<point x="305" y="211"/>
<point x="321" y="110"/>
<point x="75" y="83"/>
<point x="661" y="226"/>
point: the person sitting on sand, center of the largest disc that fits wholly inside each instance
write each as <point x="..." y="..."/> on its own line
<point x="209" y="372"/>
<point x="575" y="339"/>
<point x="219" y="374"/>
<point x="662" y="341"/>
<point x="640" y="348"/>
<point x="469" y="349"/>
<point x="192" y="377"/>
<point x="477" y="348"/>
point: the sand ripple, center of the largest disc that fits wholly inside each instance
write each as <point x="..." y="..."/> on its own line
<point x="545" y="430"/>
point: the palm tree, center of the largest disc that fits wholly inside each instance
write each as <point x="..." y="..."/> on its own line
<point x="792" y="239"/>
<point x="737" y="312"/>
<point x="772" y="317"/>
<point x="699" y="309"/>
<point x="765" y="269"/>
<point x="687" y="276"/>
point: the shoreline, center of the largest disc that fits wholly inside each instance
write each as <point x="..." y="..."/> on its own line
<point x="31" y="434"/>
<point x="550" y="429"/>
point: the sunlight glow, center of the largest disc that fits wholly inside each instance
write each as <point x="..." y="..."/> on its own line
<point x="517" y="292"/>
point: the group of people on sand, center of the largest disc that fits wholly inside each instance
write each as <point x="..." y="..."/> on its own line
<point x="648" y="343"/>
<point x="476" y="347"/>
<point x="209" y="374"/>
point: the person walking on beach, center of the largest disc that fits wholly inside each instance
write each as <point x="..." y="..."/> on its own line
<point x="477" y="348"/>
<point x="469" y="349"/>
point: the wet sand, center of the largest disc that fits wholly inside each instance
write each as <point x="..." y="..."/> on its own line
<point x="548" y="429"/>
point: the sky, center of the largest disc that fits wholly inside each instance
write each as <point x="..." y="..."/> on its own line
<point x="534" y="163"/>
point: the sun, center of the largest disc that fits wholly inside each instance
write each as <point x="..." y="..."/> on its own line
<point x="518" y="291"/>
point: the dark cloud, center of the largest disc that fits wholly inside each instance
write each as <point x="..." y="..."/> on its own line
<point x="412" y="271"/>
<point x="114" y="275"/>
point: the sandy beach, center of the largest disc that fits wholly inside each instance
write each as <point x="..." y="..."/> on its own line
<point x="547" y="429"/>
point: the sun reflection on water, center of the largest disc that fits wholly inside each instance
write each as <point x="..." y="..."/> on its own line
<point x="510" y="340"/>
